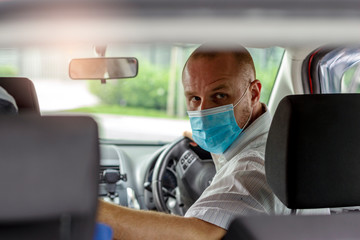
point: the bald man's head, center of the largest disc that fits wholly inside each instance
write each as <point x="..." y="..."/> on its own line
<point x="243" y="60"/>
<point x="214" y="77"/>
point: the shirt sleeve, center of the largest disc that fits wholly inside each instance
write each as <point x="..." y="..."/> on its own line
<point x="239" y="188"/>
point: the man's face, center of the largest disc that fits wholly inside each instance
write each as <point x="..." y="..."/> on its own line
<point x="217" y="81"/>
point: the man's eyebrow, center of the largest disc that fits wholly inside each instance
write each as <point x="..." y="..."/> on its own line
<point x="222" y="86"/>
<point x="188" y="93"/>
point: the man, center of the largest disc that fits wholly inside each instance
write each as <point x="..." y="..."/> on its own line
<point x="227" y="119"/>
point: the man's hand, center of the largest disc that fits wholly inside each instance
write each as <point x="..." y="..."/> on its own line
<point x="189" y="135"/>
<point x="138" y="224"/>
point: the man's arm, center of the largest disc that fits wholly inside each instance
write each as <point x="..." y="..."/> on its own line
<point x="136" y="224"/>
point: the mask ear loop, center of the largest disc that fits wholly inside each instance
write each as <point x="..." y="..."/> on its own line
<point x="248" y="119"/>
<point x="242" y="96"/>
<point x="251" y="108"/>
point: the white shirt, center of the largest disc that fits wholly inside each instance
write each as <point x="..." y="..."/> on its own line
<point x="239" y="186"/>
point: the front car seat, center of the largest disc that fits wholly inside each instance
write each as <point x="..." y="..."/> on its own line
<point x="312" y="160"/>
<point x="23" y="91"/>
<point x="48" y="177"/>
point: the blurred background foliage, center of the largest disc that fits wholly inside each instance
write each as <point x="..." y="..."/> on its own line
<point x="8" y="71"/>
<point x="147" y="90"/>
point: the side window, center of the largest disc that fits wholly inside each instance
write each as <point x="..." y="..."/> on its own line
<point x="335" y="70"/>
<point x="267" y="63"/>
<point x="350" y="82"/>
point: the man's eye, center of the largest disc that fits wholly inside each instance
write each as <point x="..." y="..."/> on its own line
<point x="195" y="99"/>
<point x="220" y="96"/>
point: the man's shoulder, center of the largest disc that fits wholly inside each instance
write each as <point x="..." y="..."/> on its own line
<point x="250" y="154"/>
<point x="247" y="160"/>
<point x="250" y="157"/>
<point x="255" y="147"/>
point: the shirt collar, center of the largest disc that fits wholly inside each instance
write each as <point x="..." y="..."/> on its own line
<point x="260" y="126"/>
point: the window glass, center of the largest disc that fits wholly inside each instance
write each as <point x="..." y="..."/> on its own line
<point x="267" y="63"/>
<point x="351" y="80"/>
<point x="150" y="107"/>
<point x="339" y="70"/>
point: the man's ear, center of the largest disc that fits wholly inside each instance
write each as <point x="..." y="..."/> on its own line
<point x="255" y="89"/>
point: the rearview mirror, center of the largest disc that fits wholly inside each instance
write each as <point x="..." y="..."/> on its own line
<point x="103" y="68"/>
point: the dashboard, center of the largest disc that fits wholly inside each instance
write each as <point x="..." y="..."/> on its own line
<point x="180" y="172"/>
<point x="124" y="169"/>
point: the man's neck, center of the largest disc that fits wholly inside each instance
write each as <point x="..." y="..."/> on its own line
<point x="259" y="109"/>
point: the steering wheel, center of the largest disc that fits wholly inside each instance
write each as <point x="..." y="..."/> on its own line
<point x="194" y="172"/>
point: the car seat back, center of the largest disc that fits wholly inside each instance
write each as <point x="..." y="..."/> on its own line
<point x="312" y="152"/>
<point x="24" y="93"/>
<point x="48" y="177"/>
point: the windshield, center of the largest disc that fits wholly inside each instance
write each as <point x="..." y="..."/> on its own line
<point x="150" y="107"/>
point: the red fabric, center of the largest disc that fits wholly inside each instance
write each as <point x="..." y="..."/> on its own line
<point x="309" y="67"/>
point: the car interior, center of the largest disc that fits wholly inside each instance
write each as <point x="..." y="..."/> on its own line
<point x="57" y="160"/>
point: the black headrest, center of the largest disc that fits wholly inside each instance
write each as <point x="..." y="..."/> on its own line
<point x="23" y="91"/>
<point x="312" y="157"/>
<point x="48" y="172"/>
<point x="295" y="227"/>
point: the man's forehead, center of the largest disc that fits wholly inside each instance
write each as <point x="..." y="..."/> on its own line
<point x="214" y="69"/>
<point x="195" y="87"/>
<point x="219" y="64"/>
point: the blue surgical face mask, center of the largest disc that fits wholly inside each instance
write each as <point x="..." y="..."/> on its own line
<point x="215" y="129"/>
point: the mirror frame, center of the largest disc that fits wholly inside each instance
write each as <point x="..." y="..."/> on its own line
<point x="134" y="58"/>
